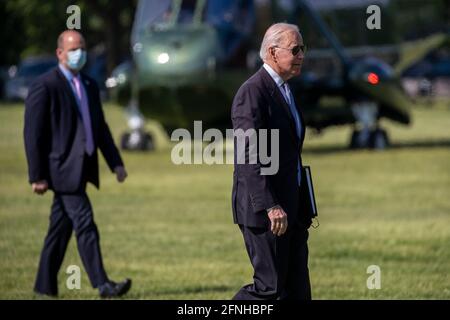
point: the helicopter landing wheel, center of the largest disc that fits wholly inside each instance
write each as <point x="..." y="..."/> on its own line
<point x="379" y="139"/>
<point x="369" y="139"/>
<point x="137" y="140"/>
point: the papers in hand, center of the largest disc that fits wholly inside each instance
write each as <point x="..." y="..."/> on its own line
<point x="308" y="193"/>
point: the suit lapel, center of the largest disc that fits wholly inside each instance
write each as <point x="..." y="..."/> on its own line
<point x="279" y="100"/>
<point x="87" y="89"/>
<point x="302" y="122"/>
<point x="68" y="90"/>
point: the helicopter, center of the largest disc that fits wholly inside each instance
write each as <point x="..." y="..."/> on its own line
<point x="191" y="56"/>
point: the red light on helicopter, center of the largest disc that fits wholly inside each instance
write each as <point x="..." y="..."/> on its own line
<point x="372" y="78"/>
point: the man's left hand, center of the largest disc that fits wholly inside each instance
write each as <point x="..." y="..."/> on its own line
<point x="121" y="173"/>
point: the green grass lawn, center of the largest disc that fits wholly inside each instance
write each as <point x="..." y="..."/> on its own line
<point x="170" y="227"/>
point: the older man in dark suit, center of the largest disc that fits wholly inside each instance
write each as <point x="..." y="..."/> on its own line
<point x="64" y="126"/>
<point x="268" y="208"/>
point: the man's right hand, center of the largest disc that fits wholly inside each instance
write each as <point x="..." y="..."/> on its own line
<point x="278" y="219"/>
<point x="40" y="187"/>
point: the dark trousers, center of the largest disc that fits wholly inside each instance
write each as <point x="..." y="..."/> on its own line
<point x="70" y="212"/>
<point x="280" y="264"/>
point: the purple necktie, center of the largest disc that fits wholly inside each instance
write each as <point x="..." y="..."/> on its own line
<point x="85" y="115"/>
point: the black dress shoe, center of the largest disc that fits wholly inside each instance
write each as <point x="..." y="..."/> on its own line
<point x="112" y="289"/>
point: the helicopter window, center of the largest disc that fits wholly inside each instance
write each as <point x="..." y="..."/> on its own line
<point x="151" y="13"/>
<point x="234" y="22"/>
<point x="239" y="14"/>
<point x="162" y="14"/>
<point x="186" y="11"/>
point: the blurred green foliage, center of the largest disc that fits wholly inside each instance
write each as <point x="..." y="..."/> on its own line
<point x="29" y="27"/>
<point x="32" y="27"/>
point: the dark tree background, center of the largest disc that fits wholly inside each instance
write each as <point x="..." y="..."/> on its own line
<point x="30" y="27"/>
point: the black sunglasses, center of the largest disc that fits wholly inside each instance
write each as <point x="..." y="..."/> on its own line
<point x="295" y="50"/>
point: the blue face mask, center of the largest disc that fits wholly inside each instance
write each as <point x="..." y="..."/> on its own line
<point x="76" y="59"/>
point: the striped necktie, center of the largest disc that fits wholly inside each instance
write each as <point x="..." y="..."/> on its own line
<point x="292" y="107"/>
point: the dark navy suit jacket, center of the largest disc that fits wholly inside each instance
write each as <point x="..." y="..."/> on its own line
<point x="55" y="138"/>
<point x="259" y="104"/>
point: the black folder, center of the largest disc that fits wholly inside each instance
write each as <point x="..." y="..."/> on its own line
<point x="307" y="197"/>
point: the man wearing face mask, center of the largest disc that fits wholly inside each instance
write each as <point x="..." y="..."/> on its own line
<point x="64" y="126"/>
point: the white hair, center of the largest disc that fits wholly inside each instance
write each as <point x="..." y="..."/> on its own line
<point x="274" y="36"/>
